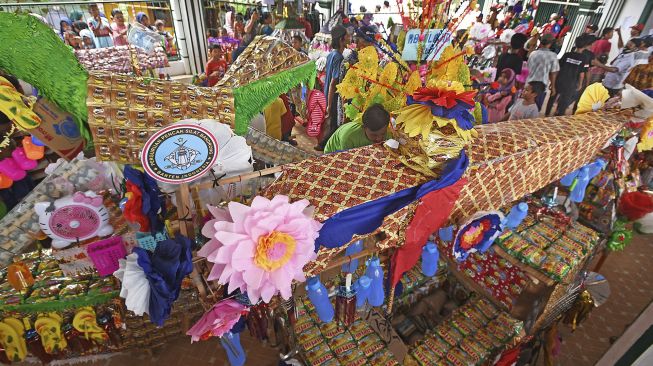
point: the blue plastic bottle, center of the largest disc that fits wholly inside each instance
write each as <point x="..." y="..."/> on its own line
<point x="596" y="167"/>
<point x="578" y="193"/>
<point x="231" y="344"/>
<point x="352" y="249"/>
<point x="362" y="287"/>
<point x="517" y="214"/>
<point x="446" y="233"/>
<point x="319" y="296"/>
<point x="568" y="179"/>
<point x="430" y="256"/>
<point x="375" y="273"/>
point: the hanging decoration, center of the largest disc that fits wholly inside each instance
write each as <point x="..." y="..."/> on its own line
<point x="218" y="321"/>
<point x="135" y="287"/>
<point x="477" y="234"/>
<point x="263" y="248"/>
<point x="165" y="269"/>
<point x="592" y="99"/>
<point x="620" y="237"/>
<point x="16" y="107"/>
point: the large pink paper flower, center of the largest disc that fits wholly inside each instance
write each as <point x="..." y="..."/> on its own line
<point x="261" y="249"/>
<point x="217" y="321"/>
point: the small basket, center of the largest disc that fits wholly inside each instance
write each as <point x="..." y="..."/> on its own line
<point x="106" y="253"/>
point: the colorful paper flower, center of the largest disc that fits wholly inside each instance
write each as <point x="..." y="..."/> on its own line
<point x="446" y="103"/>
<point x="217" y="321"/>
<point x="262" y="248"/>
<point x="477" y="234"/>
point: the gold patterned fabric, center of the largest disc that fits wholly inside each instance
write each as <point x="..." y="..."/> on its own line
<point x="507" y="161"/>
<point x="511" y="159"/>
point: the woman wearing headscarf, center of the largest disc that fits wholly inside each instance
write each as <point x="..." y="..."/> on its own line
<point x="144" y="20"/>
<point x="65" y="25"/>
<point x="500" y="98"/>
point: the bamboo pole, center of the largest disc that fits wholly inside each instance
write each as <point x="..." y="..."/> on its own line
<point x="242" y="177"/>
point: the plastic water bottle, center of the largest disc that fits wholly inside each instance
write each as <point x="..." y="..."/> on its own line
<point x="446" y="233"/>
<point x="375" y="273"/>
<point x="596" y="167"/>
<point x="362" y="287"/>
<point x="578" y="193"/>
<point x="517" y="214"/>
<point x="231" y="344"/>
<point x="568" y="179"/>
<point x="319" y="296"/>
<point x="430" y="256"/>
<point x="352" y="249"/>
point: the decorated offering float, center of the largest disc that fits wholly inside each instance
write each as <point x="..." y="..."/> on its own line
<point x="459" y="218"/>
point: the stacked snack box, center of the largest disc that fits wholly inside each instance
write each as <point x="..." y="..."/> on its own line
<point x="474" y="332"/>
<point x="547" y="247"/>
<point x="335" y="344"/>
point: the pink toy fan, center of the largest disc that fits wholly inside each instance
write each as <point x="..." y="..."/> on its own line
<point x="106" y="253"/>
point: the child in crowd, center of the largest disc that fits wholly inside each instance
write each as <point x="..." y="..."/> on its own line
<point x="168" y="39"/>
<point x="119" y="28"/>
<point x="525" y="107"/>
<point x="298" y="44"/>
<point x="217" y="66"/>
<point x="88" y="42"/>
<point x="239" y="26"/>
<point x="100" y="27"/>
<point x="498" y="101"/>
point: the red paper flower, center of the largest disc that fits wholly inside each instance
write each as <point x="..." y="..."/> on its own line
<point x="443" y="98"/>
<point x="494" y="85"/>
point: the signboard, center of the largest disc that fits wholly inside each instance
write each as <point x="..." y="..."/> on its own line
<point x="179" y="153"/>
<point x="431" y="36"/>
<point x="57" y="131"/>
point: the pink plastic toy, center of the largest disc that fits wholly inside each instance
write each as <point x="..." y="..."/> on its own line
<point x="22" y="160"/>
<point x="11" y="169"/>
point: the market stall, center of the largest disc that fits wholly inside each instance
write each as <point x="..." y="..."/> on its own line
<point x="445" y="244"/>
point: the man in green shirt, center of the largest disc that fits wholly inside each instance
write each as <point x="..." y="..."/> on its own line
<point x="374" y="129"/>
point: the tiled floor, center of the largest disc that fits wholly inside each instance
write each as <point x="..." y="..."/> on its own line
<point x="631" y="288"/>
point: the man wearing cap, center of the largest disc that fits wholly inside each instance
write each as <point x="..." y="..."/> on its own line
<point x="339" y="40"/>
<point x="635" y="31"/>
<point x="543" y="66"/>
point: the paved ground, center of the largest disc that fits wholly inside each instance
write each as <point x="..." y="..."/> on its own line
<point x="631" y="288"/>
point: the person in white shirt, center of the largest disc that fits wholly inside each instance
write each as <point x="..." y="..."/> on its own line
<point x="621" y="66"/>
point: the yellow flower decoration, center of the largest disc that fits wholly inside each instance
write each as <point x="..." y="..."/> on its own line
<point x="414" y="82"/>
<point x="416" y="120"/>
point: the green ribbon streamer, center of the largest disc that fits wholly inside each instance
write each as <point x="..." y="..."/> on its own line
<point x="33" y="52"/>
<point x="60" y="305"/>
<point x="252" y="98"/>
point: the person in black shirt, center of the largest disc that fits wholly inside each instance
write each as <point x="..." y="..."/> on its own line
<point x="571" y="76"/>
<point x="511" y="59"/>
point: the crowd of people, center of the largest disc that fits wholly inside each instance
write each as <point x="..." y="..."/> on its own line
<point x="97" y="31"/>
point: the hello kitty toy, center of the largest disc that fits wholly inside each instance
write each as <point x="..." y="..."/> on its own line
<point x="73" y="218"/>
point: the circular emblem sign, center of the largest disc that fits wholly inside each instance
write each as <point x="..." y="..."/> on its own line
<point x="179" y="153"/>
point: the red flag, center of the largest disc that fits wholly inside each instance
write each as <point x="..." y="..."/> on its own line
<point x="432" y="212"/>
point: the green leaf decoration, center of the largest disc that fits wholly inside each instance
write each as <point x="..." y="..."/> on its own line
<point x="48" y="64"/>
<point x="252" y="98"/>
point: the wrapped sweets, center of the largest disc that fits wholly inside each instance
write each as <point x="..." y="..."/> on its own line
<point x="319" y="355"/>
<point x="486" y="308"/>
<point x="342" y="343"/>
<point x="424" y="356"/>
<point x="354" y="358"/>
<point x="371" y="344"/>
<point x="360" y="329"/>
<point x="437" y="345"/>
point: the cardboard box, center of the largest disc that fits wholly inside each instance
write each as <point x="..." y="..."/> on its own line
<point x="58" y="131"/>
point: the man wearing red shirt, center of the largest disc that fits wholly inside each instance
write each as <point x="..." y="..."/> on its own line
<point x="217" y="66"/>
<point x="601" y="50"/>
